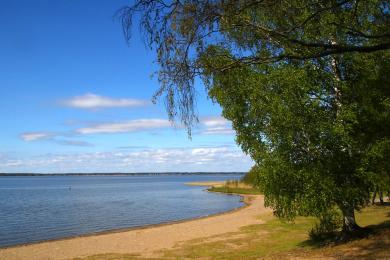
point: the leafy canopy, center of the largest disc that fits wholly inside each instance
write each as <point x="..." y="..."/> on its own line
<point x="304" y="82"/>
<point x="312" y="155"/>
<point x="252" y="32"/>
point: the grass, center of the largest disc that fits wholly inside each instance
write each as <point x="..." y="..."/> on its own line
<point x="280" y="240"/>
<point x="110" y="257"/>
<point x="251" y="242"/>
<point x="234" y="190"/>
<point x="275" y="239"/>
<point x="235" y="187"/>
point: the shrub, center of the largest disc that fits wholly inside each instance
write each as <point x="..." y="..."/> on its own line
<point x="251" y="176"/>
<point x="328" y="224"/>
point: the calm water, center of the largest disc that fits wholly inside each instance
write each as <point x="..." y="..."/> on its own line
<point x="40" y="208"/>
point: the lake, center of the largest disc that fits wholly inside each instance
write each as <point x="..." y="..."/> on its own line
<point x="37" y="208"/>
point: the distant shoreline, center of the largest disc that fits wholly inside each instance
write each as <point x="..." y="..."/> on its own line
<point x="120" y="174"/>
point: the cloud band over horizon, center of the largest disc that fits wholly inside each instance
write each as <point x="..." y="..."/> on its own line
<point x="149" y="160"/>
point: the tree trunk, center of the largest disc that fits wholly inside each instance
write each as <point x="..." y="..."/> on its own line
<point x="349" y="222"/>
<point x="381" y="197"/>
<point x="373" y="197"/>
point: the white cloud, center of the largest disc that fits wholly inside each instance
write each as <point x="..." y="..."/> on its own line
<point x="208" y="126"/>
<point x="73" y="143"/>
<point x="92" y="101"/>
<point x="124" y="127"/>
<point x="216" y="126"/>
<point x="52" y="137"/>
<point x="34" y="136"/>
<point x="218" y="131"/>
<point x="214" y="121"/>
<point x="148" y="160"/>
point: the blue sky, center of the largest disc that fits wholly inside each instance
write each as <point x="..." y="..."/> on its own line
<point x="76" y="98"/>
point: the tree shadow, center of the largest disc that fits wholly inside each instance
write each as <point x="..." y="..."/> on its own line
<point x="339" y="238"/>
<point x="382" y="204"/>
<point x="374" y="248"/>
<point x="373" y="243"/>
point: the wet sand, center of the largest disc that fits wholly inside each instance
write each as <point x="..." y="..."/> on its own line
<point x="143" y="241"/>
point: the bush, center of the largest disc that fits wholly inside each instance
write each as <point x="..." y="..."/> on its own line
<point x="232" y="183"/>
<point x="251" y="177"/>
<point x="328" y="224"/>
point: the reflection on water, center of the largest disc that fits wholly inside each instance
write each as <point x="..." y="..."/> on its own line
<point x="41" y="208"/>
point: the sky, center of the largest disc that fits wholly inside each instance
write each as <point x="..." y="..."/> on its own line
<point x="75" y="97"/>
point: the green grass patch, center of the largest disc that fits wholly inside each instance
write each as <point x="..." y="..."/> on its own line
<point x="251" y="242"/>
<point x="278" y="239"/>
<point x="235" y="190"/>
<point x="110" y="257"/>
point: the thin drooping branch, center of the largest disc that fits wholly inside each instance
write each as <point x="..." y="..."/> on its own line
<point x="255" y="32"/>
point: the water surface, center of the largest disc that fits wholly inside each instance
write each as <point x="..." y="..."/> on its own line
<point x="37" y="208"/>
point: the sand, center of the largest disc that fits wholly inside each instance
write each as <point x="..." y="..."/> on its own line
<point x="206" y="183"/>
<point x="143" y="241"/>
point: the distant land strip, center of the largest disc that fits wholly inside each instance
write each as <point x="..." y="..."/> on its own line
<point x="121" y="174"/>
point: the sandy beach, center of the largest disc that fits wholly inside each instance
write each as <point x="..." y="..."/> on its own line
<point x="143" y="241"/>
<point x="206" y="183"/>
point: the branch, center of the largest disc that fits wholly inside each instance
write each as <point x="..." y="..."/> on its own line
<point x="339" y="50"/>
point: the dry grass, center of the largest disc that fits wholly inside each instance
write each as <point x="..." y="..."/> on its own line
<point x="110" y="257"/>
<point x="375" y="246"/>
<point x="281" y="240"/>
<point x="235" y="187"/>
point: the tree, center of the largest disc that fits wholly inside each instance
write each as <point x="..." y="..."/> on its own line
<point x="312" y="151"/>
<point x="305" y="84"/>
<point x="377" y="161"/>
<point x="251" y="177"/>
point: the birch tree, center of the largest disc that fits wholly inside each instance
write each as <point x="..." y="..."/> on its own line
<point x="305" y="84"/>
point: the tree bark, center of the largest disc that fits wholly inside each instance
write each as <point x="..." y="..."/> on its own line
<point x="349" y="222"/>
<point x="373" y="197"/>
<point x="381" y="197"/>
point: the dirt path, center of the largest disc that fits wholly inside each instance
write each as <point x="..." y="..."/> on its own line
<point x="142" y="241"/>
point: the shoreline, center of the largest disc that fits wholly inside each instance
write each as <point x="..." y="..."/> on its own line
<point x="4" y="174"/>
<point x="206" y="183"/>
<point x="243" y="198"/>
<point x="143" y="240"/>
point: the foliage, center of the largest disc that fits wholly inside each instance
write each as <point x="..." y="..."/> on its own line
<point x="377" y="162"/>
<point x="232" y="183"/>
<point x="235" y="190"/>
<point x="328" y="224"/>
<point x="253" y="32"/>
<point x="305" y="84"/>
<point x="251" y="176"/>
<point x="236" y="187"/>
<point x="309" y="152"/>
